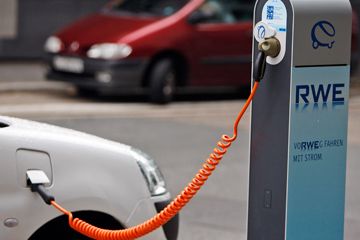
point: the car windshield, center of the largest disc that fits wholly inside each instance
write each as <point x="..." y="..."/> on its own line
<point x="149" y="7"/>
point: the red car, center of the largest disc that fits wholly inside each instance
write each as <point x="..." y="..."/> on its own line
<point x="158" y="46"/>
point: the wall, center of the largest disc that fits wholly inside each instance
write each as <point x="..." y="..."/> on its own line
<point x="30" y="22"/>
<point x="8" y="18"/>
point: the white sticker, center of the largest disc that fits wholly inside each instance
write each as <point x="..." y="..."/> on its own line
<point x="263" y="31"/>
<point x="275" y="15"/>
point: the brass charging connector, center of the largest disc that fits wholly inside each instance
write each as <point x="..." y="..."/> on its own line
<point x="270" y="47"/>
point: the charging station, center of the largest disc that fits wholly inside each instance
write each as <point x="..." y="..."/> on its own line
<point x="297" y="154"/>
<point x="299" y="121"/>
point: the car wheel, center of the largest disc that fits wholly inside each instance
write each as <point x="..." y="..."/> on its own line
<point x="354" y="67"/>
<point x="58" y="228"/>
<point x="163" y="78"/>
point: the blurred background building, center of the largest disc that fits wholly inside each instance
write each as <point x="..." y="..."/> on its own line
<point x="25" y="24"/>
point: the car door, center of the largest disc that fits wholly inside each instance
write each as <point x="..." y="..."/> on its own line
<point x="222" y="42"/>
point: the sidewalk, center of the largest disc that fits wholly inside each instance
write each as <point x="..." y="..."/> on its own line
<point x="30" y="76"/>
<point x="26" y="76"/>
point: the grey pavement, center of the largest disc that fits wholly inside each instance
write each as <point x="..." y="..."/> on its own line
<point x="26" y="76"/>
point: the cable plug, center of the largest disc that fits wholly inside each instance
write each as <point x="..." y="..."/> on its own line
<point x="37" y="180"/>
<point x="268" y="48"/>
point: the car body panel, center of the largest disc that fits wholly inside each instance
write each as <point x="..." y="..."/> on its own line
<point x="129" y="71"/>
<point x="88" y="173"/>
<point x="222" y="53"/>
<point x="98" y="28"/>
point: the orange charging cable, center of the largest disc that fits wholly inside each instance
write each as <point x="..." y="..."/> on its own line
<point x="175" y="206"/>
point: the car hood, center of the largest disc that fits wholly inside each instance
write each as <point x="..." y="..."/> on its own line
<point x="102" y="27"/>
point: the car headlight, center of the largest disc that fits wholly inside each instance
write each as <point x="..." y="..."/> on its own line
<point x="53" y="45"/>
<point x="151" y="172"/>
<point x="109" y="51"/>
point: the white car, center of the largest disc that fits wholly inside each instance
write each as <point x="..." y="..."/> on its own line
<point x="108" y="184"/>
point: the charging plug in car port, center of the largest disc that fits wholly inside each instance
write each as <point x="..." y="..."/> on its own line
<point x="36" y="180"/>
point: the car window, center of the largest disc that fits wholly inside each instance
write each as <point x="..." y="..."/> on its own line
<point x="226" y="11"/>
<point x="148" y="7"/>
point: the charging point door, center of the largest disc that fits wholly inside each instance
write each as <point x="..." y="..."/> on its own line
<point x="299" y="123"/>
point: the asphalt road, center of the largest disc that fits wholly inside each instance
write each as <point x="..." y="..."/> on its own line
<point x="179" y="136"/>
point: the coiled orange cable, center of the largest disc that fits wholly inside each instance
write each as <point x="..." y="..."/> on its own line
<point x="175" y="206"/>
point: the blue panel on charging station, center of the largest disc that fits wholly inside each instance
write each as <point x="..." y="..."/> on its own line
<point x="317" y="153"/>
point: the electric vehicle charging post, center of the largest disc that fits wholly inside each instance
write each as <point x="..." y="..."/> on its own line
<point x="299" y="121"/>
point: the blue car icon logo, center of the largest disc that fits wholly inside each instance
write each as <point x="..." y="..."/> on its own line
<point x="261" y="32"/>
<point x="323" y="35"/>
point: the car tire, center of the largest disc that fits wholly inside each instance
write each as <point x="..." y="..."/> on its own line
<point x="354" y="67"/>
<point x="163" y="78"/>
<point x="86" y="92"/>
<point x="58" y="228"/>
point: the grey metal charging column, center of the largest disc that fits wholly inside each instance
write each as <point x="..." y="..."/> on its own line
<point x="299" y="123"/>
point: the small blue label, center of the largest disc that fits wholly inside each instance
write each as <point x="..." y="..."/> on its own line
<point x="261" y="32"/>
<point x="270" y="12"/>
